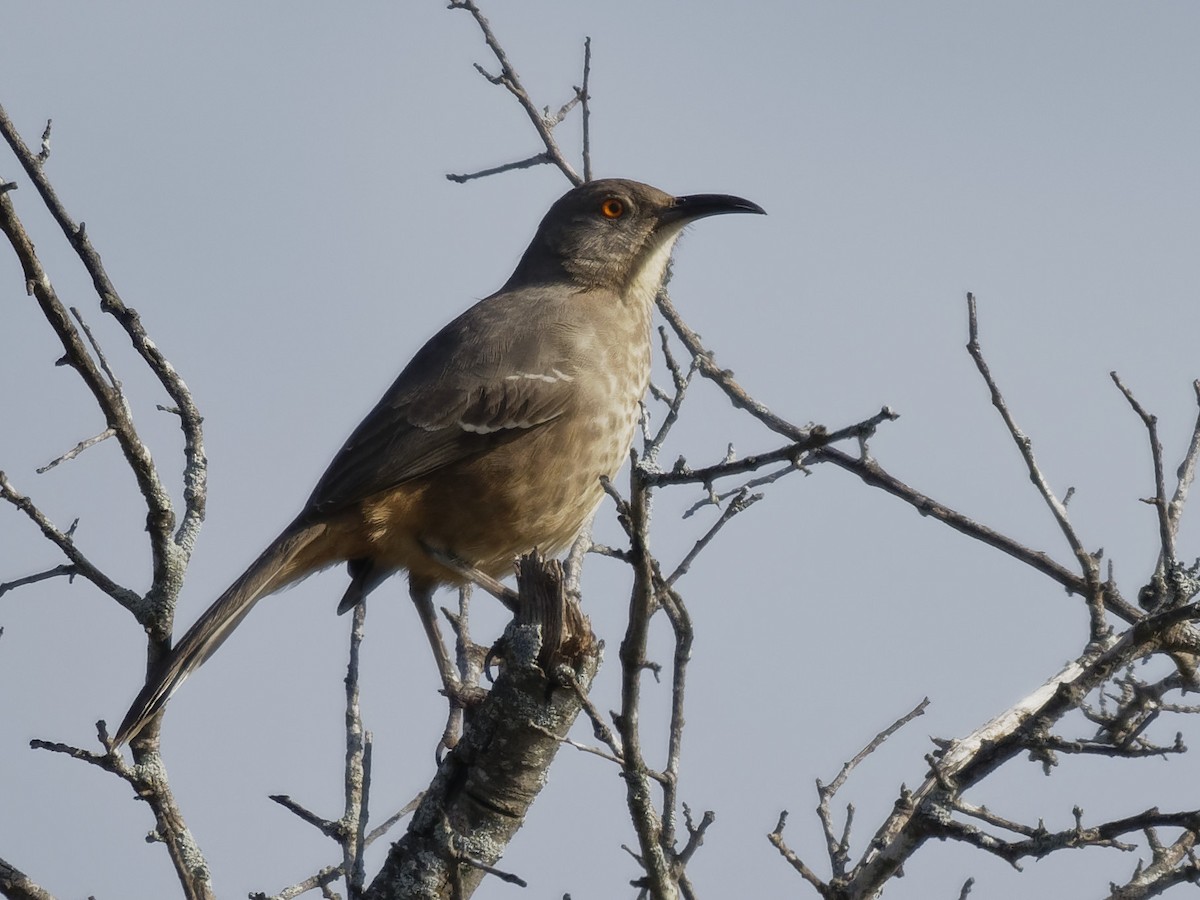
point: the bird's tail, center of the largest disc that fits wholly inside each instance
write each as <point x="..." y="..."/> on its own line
<point x="279" y="565"/>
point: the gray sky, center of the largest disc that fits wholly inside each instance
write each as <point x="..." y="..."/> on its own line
<point x="265" y="184"/>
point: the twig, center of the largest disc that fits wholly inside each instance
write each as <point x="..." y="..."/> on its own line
<point x="642" y="602"/>
<point x="584" y="97"/>
<point x="509" y="79"/>
<point x="321" y="879"/>
<point x="44" y="152"/>
<point x="63" y="540"/>
<point x="743" y="501"/>
<point x="1086" y="560"/>
<point x="76" y="450"/>
<point x="874" y="744"/>
<point x="352" y="831"/>
<point x="537" y="159"/>
<point x="872" y="474"/>
<point x="684" y="634"/>
<point x="582" y="748"/>
<point x="777" y="841"/>
<point x="383" y="827"/>
<point x="466" y="859"/>
<point x="839" y="847"/>
<point x="1186" y="471"/>
<point x="1166" y="533"/>
<point x="723" y="378"/>
<point x="150" y="784"/>
<point x="161" y="519"/>
<point x="69" y="571"/>
<point x="331" y="828"/>
<point x="113" y="381"/>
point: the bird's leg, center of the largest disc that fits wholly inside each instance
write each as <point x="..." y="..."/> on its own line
<point x="422" y="597"/>
<point x="453" y="688"/>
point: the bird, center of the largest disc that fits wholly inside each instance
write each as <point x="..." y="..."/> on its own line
<point x="493" y="440"/>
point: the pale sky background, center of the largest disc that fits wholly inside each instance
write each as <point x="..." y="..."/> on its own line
<point x="265" y="184"/>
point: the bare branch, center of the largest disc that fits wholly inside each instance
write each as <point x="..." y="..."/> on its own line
<point x="111" y="401"/>
<point x="64" y="541"/>
<point x="69" y="571"/>
<point x="777" y="841"/>
<point x="538" y="159"/>
<point x="872" y="474"/>
<point x="743" y="501"/>
<point x="1169" y="866"/>
<point x="839" y="847"/>
<point x="1087" y="561"/>
<point x="642" y="604"/>
<point x="383" y="827"/>
<point x="874" y="744"/>
<point x="509" y="79"/>
<point x="323" y="878"/>
<point x="328" y="827"/>
<point x="44" y="152"/>
<point x="353" y="823"/>
<point x="723" y="378"/>
<point x="76" y="450"/>
<point x="584" y="97"/>
<point x="16" y="885"/>
<point x="1166" y="531"/>
<point x="148" y="778"/>
<point x="1186" y="471"/>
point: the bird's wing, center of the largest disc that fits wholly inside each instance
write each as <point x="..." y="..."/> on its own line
<point x="461" y="395"/>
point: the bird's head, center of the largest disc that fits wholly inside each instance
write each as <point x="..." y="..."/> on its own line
<point x="615" y="234"/>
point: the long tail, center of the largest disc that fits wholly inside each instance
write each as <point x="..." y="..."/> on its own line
<point x="280" y="564"/>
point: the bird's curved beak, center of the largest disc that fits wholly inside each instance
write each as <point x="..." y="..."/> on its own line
<point x="696" y="206"/>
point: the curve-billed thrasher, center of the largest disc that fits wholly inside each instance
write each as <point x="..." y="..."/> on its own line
<point x="493" y="439"/>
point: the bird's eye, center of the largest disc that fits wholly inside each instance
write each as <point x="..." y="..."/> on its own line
<point x="612" y="208"/>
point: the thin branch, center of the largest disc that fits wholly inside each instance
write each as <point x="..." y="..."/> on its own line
<point x="743" y="501"/>
<point x="150" y="784"/>
<point x="321" y="879"/>
<point x="684" y="634"/>
<point x="872" y="474"/>
<point x="874" y="744"/>
<point x="582" y="748"/>
<point x="642" y="603"/>
<point x="64" y="541"/>
<point x="1042" y="843"/>
<point x="600" y="728"/>
<point x="112" y="403"/>
<point x="113" y="381"/>
<point x="777" y="841"/>
<point x="44" y="152"/>
<point x="723" y="378"/>
<point x="357" y="770"/>
<point x="509" y="79"/>
<point x="839" y="846"/>
<point x="538" y="159"/>
<point x="1086" y="560"/>
<point x="329" y="827"/>
<point x="69" y="571"/>
<point x="584" y="97"/>
<point x="1186" y="471"/>
<point x="1166" y="532"/>
<point x="76" y="450"/>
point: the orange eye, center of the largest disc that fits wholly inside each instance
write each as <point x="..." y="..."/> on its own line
<point x="612" y="208"/>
